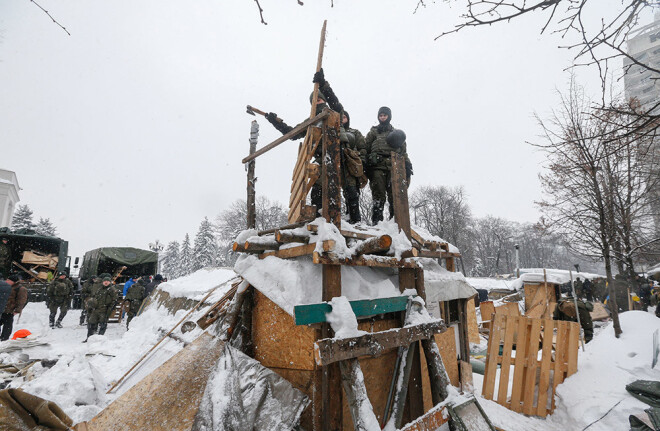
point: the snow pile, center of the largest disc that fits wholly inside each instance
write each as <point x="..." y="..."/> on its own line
<point x="443" y="285"/>
<point x="85" y="371"/>
<point x="556" y="276"/>
<point x="342" y="319"/>
<point x="290" y="282"/>
<point x="197" y="284"/>
<point x="490" y="283"/>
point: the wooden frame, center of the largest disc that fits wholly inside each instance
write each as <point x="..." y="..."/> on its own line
<point x="531" y="333"/>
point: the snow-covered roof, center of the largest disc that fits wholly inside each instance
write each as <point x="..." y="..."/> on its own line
<point x="490" y="283"/>
<point x="443" y="285"/>
<point x="556" y="276"/>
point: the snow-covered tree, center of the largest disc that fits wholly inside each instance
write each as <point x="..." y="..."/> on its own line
<point x="172" y="260"/>
<point x="205" y="248"/>
<point x="23" y="218"/>
<point x="45" y="227"/>
<point x="186" y="260"/>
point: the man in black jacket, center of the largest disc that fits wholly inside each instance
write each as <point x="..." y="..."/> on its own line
<point x="152" y="286"/>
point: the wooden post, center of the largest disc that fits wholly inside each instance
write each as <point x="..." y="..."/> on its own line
<point x="464" y="342"/>
<point x="251" y="192"/>
<point x="331" y="393"/>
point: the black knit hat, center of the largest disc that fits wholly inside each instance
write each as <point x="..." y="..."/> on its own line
<point x="387" y="111"/>
<point x="348" y="120"/>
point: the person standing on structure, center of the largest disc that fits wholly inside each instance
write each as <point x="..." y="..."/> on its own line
<point x="381" y="141"/>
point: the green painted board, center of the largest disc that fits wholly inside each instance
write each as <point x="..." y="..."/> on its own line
<point x="315" y="313"/>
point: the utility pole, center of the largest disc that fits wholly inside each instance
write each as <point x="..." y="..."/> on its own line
<point x="251" y="180"/>
<point x="517" y="247"/>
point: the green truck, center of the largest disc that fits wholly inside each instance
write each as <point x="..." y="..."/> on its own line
<point x="113" y="259"/>
<point x="37" y="258"/>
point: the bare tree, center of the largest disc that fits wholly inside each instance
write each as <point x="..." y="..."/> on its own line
<point x="578" y="196"/>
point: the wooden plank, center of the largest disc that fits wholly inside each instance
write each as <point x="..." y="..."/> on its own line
<point x="572" y="348"/>
<point x="451" y="264"/>
<point x="492" y="357"/>
<point x="285" y="227"/>
<point x="546" y="359"/>
<point x="430" y="421"/>
<point x="330" y="350"/>
<point x="296" y="130"/>
<point x="400" y="193"/>
<point x="437" y="254"/>
<point x="473" y="327"/>
<point x="251" y="192"/>
<point x="519" y="365"/>
<point x="316" y="313"/>
<point x="511" y="324"/>
<point x="344" y="233"/>
<point x="467" y="382"/>
<point x="367" y="260"/>
<point x="417" y="237"/>
<point x="487" y="310"/>
<point x="532" y="363"/>
<point x="301" y="250"/>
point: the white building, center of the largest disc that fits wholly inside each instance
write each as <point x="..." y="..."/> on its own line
<point x="8" y="196"/>
<point x="644" y="46"/>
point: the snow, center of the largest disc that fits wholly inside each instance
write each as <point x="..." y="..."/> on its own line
<point x="557" y="276"/>
<point x="342" y="319"/>
<point x="85" y="371"/>
<point x="291" y="282"/>
<point x="490" y="283"/>
<point x="443" y="285"/>
<point x="604" y="369"/>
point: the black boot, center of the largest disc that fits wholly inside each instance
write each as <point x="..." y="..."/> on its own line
<point x="59" y="323"/>
<point x="352" y="196"/>
<point x="377" y="212"/>
<point x="51" y="320"/>
<point x="317" y="198"/>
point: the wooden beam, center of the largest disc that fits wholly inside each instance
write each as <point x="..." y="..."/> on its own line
<point x="345" y="233"/>
<point x="365" y="260"/>
<point x="431" y="421"/>
<point x="330" y="350"/>
<point x="316" y="313"/>
<point x="261" y="245"/>
<point x="251" y="192"/>
<point x="400" y="193"/>
<point x="285" y="227"/>
<point x="301" y="250"/>
<point x="296" y="130"/>
<point x="287" y="236"/>
<point x="352" y="380"/>
<point x="374" y="245"/>
<point x="437" y="254"/>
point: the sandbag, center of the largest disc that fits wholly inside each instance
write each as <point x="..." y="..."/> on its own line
<point x="22" y="411"/>
<point x="649" y="420"/>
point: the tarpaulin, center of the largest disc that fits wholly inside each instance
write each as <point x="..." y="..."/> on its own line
<point x="242" y="394"/>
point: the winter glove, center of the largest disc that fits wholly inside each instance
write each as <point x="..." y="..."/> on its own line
<point x="319" y="78"/>
<point x="271" y="117"/>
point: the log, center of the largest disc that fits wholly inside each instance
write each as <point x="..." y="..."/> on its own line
<point x="352" y="380"/>
<point x="261" y="245"/>
<point x="302" y="250"/>
<point x="374" y="245"/>
<point x="287" y="236"/>
<point x="345" y="233"/>
<point x="330" y="350"/>
<point x="285" y="227"/>
<point x="299" y="128"/>
<point x="365" y="260"/>
<point x="218" y="309"/>
<point x="439" y="379"/>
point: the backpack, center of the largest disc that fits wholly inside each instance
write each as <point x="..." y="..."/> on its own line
<point x="353" y="163"/>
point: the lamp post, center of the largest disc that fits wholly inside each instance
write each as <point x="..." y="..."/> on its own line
<point x="517" y="247"/>
<point x="156" y="247"/>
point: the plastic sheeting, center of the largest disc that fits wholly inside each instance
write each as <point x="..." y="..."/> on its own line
<point x="442" y="285"/>
<point x="242" y="394"/>
<point x="647" y="391"/>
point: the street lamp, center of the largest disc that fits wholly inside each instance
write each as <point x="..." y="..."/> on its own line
<point x="156" y="247"/>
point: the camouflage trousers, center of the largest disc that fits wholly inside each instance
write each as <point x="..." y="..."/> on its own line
<point x="53" y="306"/>
<point x="380" y="181"/>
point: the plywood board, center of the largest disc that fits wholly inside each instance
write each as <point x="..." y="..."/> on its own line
<point x="473" y="327"/>
<point x="447" y="345"/>
<point x="278" y="342"/>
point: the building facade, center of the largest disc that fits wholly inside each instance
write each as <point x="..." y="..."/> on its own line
<point x="640" y="82"/>
<point x="8" y="196"/>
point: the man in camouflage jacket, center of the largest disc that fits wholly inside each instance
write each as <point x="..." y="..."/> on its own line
<point x="135" y="295"/>
<point x="59" y="293"/>
<point x="379" y="163"/>
<point x="89" y="287"/>
<point x="101" y="306"/>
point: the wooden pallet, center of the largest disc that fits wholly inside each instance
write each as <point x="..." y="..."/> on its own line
<point x="534" y="380"/>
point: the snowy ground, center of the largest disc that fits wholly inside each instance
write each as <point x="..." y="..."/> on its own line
<point x="84" y="372"/>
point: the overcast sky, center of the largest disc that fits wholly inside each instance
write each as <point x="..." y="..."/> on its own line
<point x="133" y="128"/>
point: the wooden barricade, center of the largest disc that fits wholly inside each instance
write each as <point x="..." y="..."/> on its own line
<point x="534" y="380"/>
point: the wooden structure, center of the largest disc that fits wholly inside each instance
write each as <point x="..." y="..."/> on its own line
<point x="534" y="380"/>
<point x="540" y="298"/>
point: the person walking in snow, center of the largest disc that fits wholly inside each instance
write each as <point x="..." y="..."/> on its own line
<point x="89" y="287"/>
<point x="153" y="285"/>
<point x="17" y="299"/>
<point x="59" y="292"/>
<point x="101" y="306"/>
<point x="135" y="296"/>
<point x="381" y="141"/>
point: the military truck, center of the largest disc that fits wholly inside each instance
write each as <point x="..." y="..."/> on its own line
<point x="113" y="260"/>
<point x="37" y="258"/>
